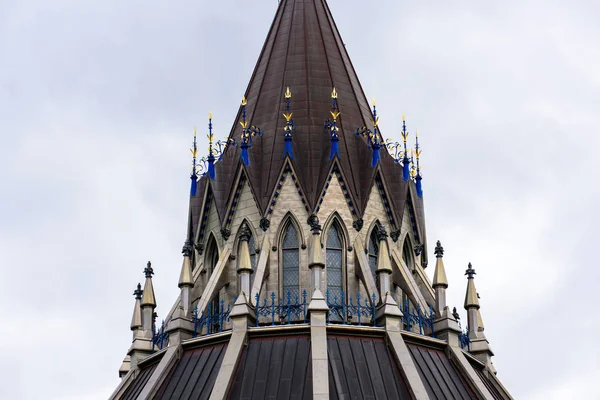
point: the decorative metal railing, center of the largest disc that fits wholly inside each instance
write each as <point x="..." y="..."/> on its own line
<point x="159" y="337"/>
<point x="212" y="320"/>
<point x="417" y="317"/>
<point x="282" y="313"/>
<point x="346" y="312"/>
<point x="464" y="340"/>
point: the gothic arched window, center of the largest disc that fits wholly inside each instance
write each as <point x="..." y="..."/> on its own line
<point x="333" y="263"/>
<point x="211" y="260"/>
<point x="290" y="262"/>
<point x="373" y="251"/>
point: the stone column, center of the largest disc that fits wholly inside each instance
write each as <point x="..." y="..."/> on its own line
<point x="241" y="316"/>
<point x="384" y="265"/>
<point x="181" y="325"/>
<point x="317" y="310"/>
<point x="244" y="270"/>
<point x="390" y="316"/>
<point x="316" y="262"/>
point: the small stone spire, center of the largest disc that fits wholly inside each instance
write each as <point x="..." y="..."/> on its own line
<point x="384" y="265"/>
<point x="148" y="302"/>
<point x="440" y="281"/>
<point x="244" y="264"/>
<point x="136" y="319"/>
<point x="472" y="303"/>
<point x="316" y="262"/>
<point x="186" y="282"/>
<point x="480" y="347"/>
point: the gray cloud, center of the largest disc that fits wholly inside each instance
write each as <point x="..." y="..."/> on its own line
<point x="98" y="101"/>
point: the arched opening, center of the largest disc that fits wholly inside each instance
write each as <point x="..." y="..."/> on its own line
<point x="373" y="251"/>
<point x="211" y="259"/>
<point x="334" y="263"/>
<point x="290" y="262"/>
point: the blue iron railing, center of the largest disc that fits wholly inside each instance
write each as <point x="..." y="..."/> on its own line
<point x="416" y="317"/>
<point x="464" y="340"/>
<point x="212" y="320"/>
<point x="159" y="337"/>
<point x="287" y="312"/>
<point x="344" y="312"/>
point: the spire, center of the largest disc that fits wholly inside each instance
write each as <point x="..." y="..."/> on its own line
<point x="405" y="160"/>
<point x="439" y="277"/>
<point x="289" y="125"/>
<point x="331" y="126"/>
<point x="248" y="132"/>
<point x="317" y="62"/>
<point x="373" y="136"/>
<point x="480" y="326"/>
<point x="211" y="153"/>
<point x="148" y="295"/>
<point x="136" y="319"/>
<point x="418" y="177"/>
<point x="471" y="299"/>
<point x="185" y="277"/>
<point x="194" y="175"/>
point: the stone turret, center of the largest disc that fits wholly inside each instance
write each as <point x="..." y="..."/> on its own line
<point x="440" y="281"/>
<point x="148" y="303"/>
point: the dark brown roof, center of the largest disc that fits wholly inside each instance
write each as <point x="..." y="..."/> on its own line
<point x="135" y="387"/>
<point x="441" y="379"/>
<point x="491" y="385"/>
<point x="274" y="368"/>
<point x="194" y="375"/>
<point x="363" y="368"/>
<point x="304" y="51"/>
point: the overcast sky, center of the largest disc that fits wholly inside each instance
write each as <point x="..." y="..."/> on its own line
<point x="98" y="101"/>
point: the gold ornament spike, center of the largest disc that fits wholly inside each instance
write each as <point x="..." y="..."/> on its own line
<point x="334" y="114"/>
<point x="376" y="122"/>
<point x="403" y="118"/>
<point x="288" y="94"/>
<point x="334" y="94"/>
<point x="244" y="124"/>
<point x="374" y="102"/>
<point x="416" y="133"/>
<point x="288" y="116"/>
<point x="210" y="115"/>
<point x="194" y="131"/>
<point x="418" y="153"/>
<point x="244" y="101"/>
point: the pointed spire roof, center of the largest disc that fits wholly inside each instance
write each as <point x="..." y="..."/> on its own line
<point x="471" y="299"/>
<point x="439" y="277"/>
<point x="305" y="52"/>
<point x="148" y="294"/>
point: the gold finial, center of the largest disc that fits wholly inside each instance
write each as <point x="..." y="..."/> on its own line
<point x="210" y="115"/>
<point x="194" y="131"/>
<point x="334" y="94"/>
<point x="288" y="94"/>
<point x="288" y="116"/>
<point x="244" y="102"/>
<point x="374" y="102"/>
<point x="403" y="117"/>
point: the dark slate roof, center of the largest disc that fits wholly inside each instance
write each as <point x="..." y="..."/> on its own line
<point x="135" y="387"/>
<point x="495" y="390"/>
<point x="305" y="51"/>
<point x="193" y="377"/>
<point x="439" y="375"/>
<point x="274" y="368"/>
<point x="363" y="368"/>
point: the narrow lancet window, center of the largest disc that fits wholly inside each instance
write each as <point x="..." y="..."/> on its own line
<point x="335" y="277"/>
<point x="290" y="263"/>
<point x="373" y="252"/>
